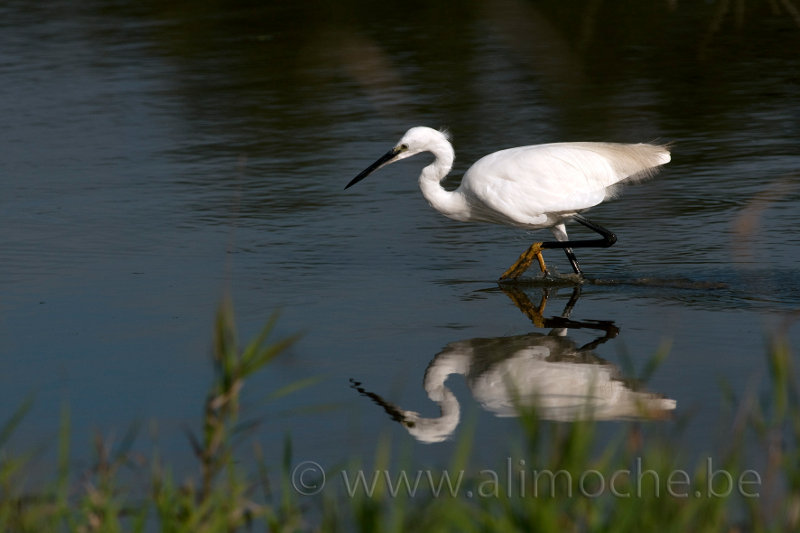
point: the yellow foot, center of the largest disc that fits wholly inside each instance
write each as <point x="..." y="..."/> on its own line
<point x="524" y="304"/>
<point x="524" y="261"/>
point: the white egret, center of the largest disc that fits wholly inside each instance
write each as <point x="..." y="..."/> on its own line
<point x="548" y="371"/>
<point x="529" y="187"/>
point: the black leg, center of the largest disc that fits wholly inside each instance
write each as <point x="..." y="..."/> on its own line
<point x="535" y="250"/>
<point x="608" y="237"/>
<point x="608" y="240"/>
<point x="573" y="260"/>
<point x="573" y="299"/>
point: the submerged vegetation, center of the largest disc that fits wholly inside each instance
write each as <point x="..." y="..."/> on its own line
<point x="556" y="480"/>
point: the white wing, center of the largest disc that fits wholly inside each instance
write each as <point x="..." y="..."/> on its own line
<point x="534" y="186"/>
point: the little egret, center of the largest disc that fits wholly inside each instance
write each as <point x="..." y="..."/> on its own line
<point x="529" y="187"/>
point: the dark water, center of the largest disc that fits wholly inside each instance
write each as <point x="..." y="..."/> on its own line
<point x="157" y="156"/>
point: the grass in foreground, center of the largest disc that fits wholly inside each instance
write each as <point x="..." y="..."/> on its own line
<point x="638" y="482"/>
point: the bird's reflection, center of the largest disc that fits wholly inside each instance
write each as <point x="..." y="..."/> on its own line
<point x="548" y="372"/>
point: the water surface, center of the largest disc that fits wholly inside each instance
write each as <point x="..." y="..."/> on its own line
<point x="158" y="157"/>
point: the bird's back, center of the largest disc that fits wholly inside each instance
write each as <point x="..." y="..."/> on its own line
<point x="531" y="186"/>
<point x="627" y="161"/>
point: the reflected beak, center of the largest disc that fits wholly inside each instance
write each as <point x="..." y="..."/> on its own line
<point x="385" y="159"/>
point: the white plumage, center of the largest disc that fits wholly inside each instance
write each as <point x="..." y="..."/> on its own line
<point x="530" y="187"/>
<point x="536" y="186"/>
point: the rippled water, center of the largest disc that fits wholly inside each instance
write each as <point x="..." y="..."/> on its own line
<point x="156" y="158"/>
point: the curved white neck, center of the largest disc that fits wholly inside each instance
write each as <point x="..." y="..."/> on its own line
<point x="450" y="203"/>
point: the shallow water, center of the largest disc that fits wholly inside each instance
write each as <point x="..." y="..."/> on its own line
<point x="157" y="158"/>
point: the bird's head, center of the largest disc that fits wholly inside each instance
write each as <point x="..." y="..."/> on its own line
<point x="421" y="139"/>
<point x="416" y="140"/>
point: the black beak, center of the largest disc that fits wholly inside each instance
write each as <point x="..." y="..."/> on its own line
<point x="384" y="159"/>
